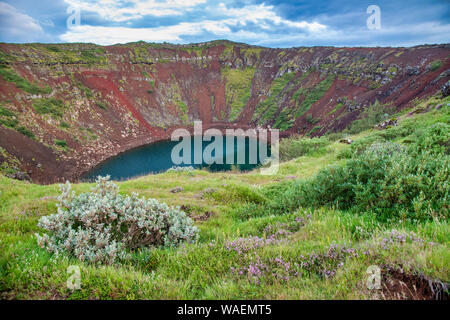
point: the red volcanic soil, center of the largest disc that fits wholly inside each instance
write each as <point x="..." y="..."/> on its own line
<point x="102" y="82"/>
<point x="38" y="159"/>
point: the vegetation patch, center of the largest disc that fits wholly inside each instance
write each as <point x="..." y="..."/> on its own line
<point x="394" y="181"/>
<point x="295" y="146"/>
<point x="64" y="125"/>
<point x="238" y="88"/>
<point x="266" y="110"/>
<point x="311" y="120"/>
<point x="101" y="105"/>
<point x="26" y="132"/>
<point x="370" y="116"/>
<point x="316" y="128"/>
<point x="51" y="106"/>
<point x="336" y="108"/>
<point x="433" y="66"/>
<point x="9" y="75"/>
<point x="8" y="118"/>
<point x="105" y="231"/>
<point x="90" y="134"/>
<point x="61" y="143"/>
<point x="313" y="95"/>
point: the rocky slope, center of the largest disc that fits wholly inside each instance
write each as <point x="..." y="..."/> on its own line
<point x="66" y="107"/>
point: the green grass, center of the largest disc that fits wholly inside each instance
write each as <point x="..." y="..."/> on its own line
<point x="9" y="75"/>
<point x="64" y="125"/>
<point x="59" y="53"/>
<point x="310" y="119"/>
<point x="336" y="108"/>
<point x="25" y="131"/>
<point x="50" y="106"/>
<point x="6" y="112"/>
<point x="285" y="119"/>
<point x="237" y="89"/>
<point x="203" y="270"/>
<point x="435" y="65"/>
<point x="370" y="116"/>
<point x="101" y="105"/>
<point x="313" y="95"/>
<point x="10" y="120"/>
<point x="316" y="128"/>
<point x="61" y="144"/>
<point x="266" y="110"/>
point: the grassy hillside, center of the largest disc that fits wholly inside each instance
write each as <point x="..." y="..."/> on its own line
<point x="261" y="237"/>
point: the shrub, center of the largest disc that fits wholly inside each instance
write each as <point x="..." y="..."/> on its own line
<point x="310" y="119"/>
<point x="64" y="125"/>
<point x="25" y="132"/>
<point x="238" y="193"/>
<point x="334" y="136"/>
<point x="433" y="66"/>
<point x="360" y="145"/>
<point x="102" y="225"/>
<point x="295" y="147"/>
<point x="434" y="139"/>
<point x="314" y="130"/>
<point x="384" y="179"/>
<point x="8" y="118"/>
<point x="101" y="105"/>
<point x="314" y="94"/>
<point x="248" y="211"/>
<point x="61" y="143"/>
<point x="9" y="122"/>
<point x="50" y="106"/>
<point x="371" y="116"/>
<point x="6" y="112"/>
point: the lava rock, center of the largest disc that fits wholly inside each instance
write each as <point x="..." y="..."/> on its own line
<point x="176" y="189"/>
<point x="19" y="175"/>
<point x="387" y="124"/>
<point x="412" y="71"/>
<point x="445" y="89"/>
<point x="346" y="141"/>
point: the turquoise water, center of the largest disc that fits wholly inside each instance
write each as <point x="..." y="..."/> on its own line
<point x="156" y="158"/>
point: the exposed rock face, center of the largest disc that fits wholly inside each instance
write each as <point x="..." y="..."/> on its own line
<point x="70" y="106"/>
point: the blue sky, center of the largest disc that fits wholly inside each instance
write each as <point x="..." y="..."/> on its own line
<point x="271" y="23"/>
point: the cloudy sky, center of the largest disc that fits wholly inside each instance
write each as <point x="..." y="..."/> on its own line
<point x="272" y="23"/>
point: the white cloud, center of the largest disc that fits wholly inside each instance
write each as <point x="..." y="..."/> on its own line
<point x="18" y="26"/>
<point x="410" y="35"/>
<point x="112" y="35"/>
<point x="114" y="10"/>
<point x="261" y="16"/>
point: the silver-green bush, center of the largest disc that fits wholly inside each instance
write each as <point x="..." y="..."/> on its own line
<point x="102" y="225"/>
